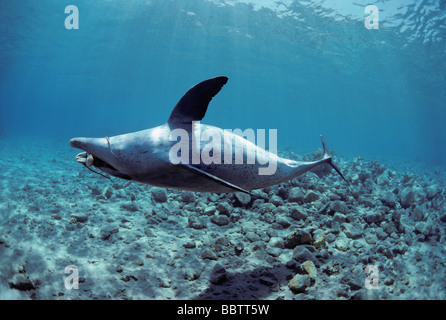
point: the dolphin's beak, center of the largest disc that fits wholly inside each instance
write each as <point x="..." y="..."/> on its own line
<point x="81" y="143"/>
<point x="96" y="146"/>
<point x="95" y="149"/>
<point x="75" y="143"/>
<point x="98" y="154"/>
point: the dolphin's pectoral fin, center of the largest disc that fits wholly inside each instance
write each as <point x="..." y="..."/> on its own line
<point x="213" y="178"/>
<point x="193" y="105"/>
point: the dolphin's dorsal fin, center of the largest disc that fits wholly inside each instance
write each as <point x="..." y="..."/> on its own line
<point x="193" y="105"/>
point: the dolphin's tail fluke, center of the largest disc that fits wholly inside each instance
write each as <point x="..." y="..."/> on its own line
<point x="302" y="167"/>
<point x="328" y="159"/>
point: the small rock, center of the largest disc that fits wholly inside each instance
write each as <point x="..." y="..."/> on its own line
<point x="238" y="248"/>
<point x="248" y="226"/>
<point x="129" y="207"/>
<point x="389" y="199"/>
<point x="219" y="220"/>
<point x="311" y="197"/>
<point x="370" y="237"/>
<point x="352" y="231"/>
<point x="259" y="194"/>
<point x="302" y="254"/>
<point x="281" y="210"/>
<point x="354" y="191"/>
<point x="319" y="239"/>
<point x="127" y="278"/>
<point x="423" y="228"/>
<point x="159" y="194"/>
<point x="21" y="282"/>
<point x="111" y="229"/>
<point x="107" y="193"/>
<point x="277" y="242"/>
<point x="383" y="180"/>
<point x="417" y="214"/>
<point x="432" y="192"/>
<point x="196" y="223"/>
<point x="219" y="275"/>
<point x="107" y="231"/>
<point x="208" y="254"/>
<point x="189" y="245"/>
<point x="292" y="264"/>
<point x="275" y="252"/>
<point x="242" y="199"/>
<point x="191" y="274"/>
<point x="209" y="210"/>
<point x="335" y="227"/>
<point x="120" y="193"/>
<point x="188" y="196"/>
<point x="266" y="208"/>
<point x="164" y="283"/>
<point x="137" y="261"/>
<point x="355" y="282"/>
<point x="297" y="214"/>
<point x="162" y="214"/>
<point x="224" y="208"/>
<point x="299" y="283"/>
<point x="252" y="237"/>
<point x="283" y="221"/>
<point x="95" y="191"/>
<point x="339" y="217"/>
<point x="333" y="196"/>
<point x="101" y="198"/>
<point x="223" y="241"/>
<point x="363" y="176"/>
<point x="258" y="245"/>
<point x="373" y="217"/>
<point x="380" y="234"/>
<point x="407" y="197"/>
<point x="276" y="200"/>
<point x="296" y="195"/>
<point x="267" y="278"/>
<point x="342" y="244"/>
<point x="310" y="268"/>
<point x="339" y="206"/>
<point x="365" y="202"/>
<point x="81" y="219"/>
<point x="298" y="237"/>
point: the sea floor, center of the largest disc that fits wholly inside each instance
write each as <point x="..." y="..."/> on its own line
<point x="311" y="238"/>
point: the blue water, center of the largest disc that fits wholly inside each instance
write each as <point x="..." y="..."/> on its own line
<point x="303" y="68"/>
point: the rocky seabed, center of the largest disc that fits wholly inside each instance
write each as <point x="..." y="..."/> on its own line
<point x="311" y="238"/>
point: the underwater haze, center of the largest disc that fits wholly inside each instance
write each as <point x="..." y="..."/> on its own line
<point x="371" y="80"/>
<point x="302" y="67"/>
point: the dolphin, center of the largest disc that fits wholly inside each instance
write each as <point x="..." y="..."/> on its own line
<point x="151" y="156"/>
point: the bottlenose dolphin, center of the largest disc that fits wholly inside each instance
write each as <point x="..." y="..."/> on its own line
<point x="146" y="156"/>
